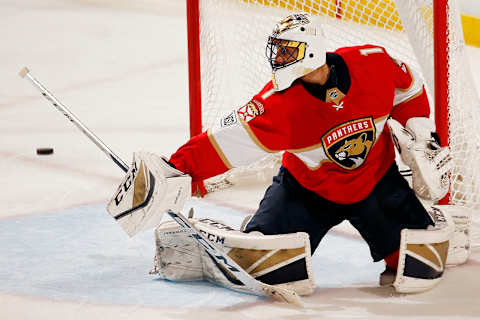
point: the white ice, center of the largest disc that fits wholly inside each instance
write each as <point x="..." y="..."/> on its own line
<point x="120" y="66"/>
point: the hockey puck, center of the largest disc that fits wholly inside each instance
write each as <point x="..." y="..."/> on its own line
<point x="44" y="151"/>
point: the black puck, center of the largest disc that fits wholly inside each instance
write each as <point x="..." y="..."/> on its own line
<point x="44" y="151"/>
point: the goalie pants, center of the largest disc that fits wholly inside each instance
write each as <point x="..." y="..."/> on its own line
<point x="392" y="205"/>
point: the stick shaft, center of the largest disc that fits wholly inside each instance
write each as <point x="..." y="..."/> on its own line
<point x="70" y="116"/>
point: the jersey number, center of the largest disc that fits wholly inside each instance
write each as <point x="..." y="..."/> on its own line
<point x="367" y="51"/>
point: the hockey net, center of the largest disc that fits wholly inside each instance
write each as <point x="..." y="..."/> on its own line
<point x="233" y="67"/>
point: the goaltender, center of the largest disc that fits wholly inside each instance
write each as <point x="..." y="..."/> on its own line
<point x="337" y="116"/>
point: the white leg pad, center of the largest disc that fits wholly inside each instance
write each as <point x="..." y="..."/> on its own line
<point x="459" y="249"/>
<point x="178" y="257"/>
<point x="423" y="254"/>
<point x="266" y="258"/>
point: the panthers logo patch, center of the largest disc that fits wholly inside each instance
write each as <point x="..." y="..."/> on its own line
<point x="251" y="110"/>
<point x="348" y="144"/>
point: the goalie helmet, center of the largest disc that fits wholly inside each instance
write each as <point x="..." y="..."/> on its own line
<point x="295" y="48"/>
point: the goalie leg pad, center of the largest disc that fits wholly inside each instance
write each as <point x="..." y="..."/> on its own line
<point x="459" y="249"/>
<point x="178" y="257"/>
<point x="282" y="260"/>
<point x="423" y="254"/>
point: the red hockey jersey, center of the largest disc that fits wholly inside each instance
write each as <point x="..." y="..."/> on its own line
<point x="338" y="148"/>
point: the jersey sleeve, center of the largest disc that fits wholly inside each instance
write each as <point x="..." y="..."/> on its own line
<point x="410" y="98"/>
<point x="239" y="138"/>
<point x="198" y="158"/>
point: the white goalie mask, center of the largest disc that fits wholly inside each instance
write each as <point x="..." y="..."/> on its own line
<point x="295" y="48"/>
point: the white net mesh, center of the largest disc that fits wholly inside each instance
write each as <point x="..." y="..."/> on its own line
<point x="234" y="68"/>
<point x="463" y="114"/>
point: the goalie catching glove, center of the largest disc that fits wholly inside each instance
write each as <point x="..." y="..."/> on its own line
<point x="430" y="163"/>
<point x="150" y="187"/>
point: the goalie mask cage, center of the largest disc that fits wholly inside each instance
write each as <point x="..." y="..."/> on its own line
<point x="227" y="66"/>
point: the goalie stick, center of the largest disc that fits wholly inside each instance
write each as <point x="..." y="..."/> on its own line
<point x="222" y="259"/>
<point x="255" y="286"/>
<point x="67" y="113"/>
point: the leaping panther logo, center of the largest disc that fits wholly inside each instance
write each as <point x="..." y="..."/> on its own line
<point x="354" y="149"/>
<point x="348" y="144"/>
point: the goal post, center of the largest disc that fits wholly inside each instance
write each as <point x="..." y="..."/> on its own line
<point x="440" y="54"/>
<point x="194" y="77"/>
<point x="227" y="65"/>
<point x="440" y="66"/>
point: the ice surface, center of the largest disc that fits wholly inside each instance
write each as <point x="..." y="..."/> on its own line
<point x="81" y="254"/>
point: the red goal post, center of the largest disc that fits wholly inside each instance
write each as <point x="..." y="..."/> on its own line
<point x="194" y="76"/>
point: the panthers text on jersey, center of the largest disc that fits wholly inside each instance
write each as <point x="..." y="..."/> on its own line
<point x="338" y="147"/>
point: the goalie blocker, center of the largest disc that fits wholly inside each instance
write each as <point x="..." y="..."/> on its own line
<point x="150" y="187"/>
<point x="280" y="260"/>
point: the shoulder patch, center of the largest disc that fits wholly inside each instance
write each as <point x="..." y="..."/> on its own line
<point x="228" y="120"/>
<point x="251" y="110"/>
